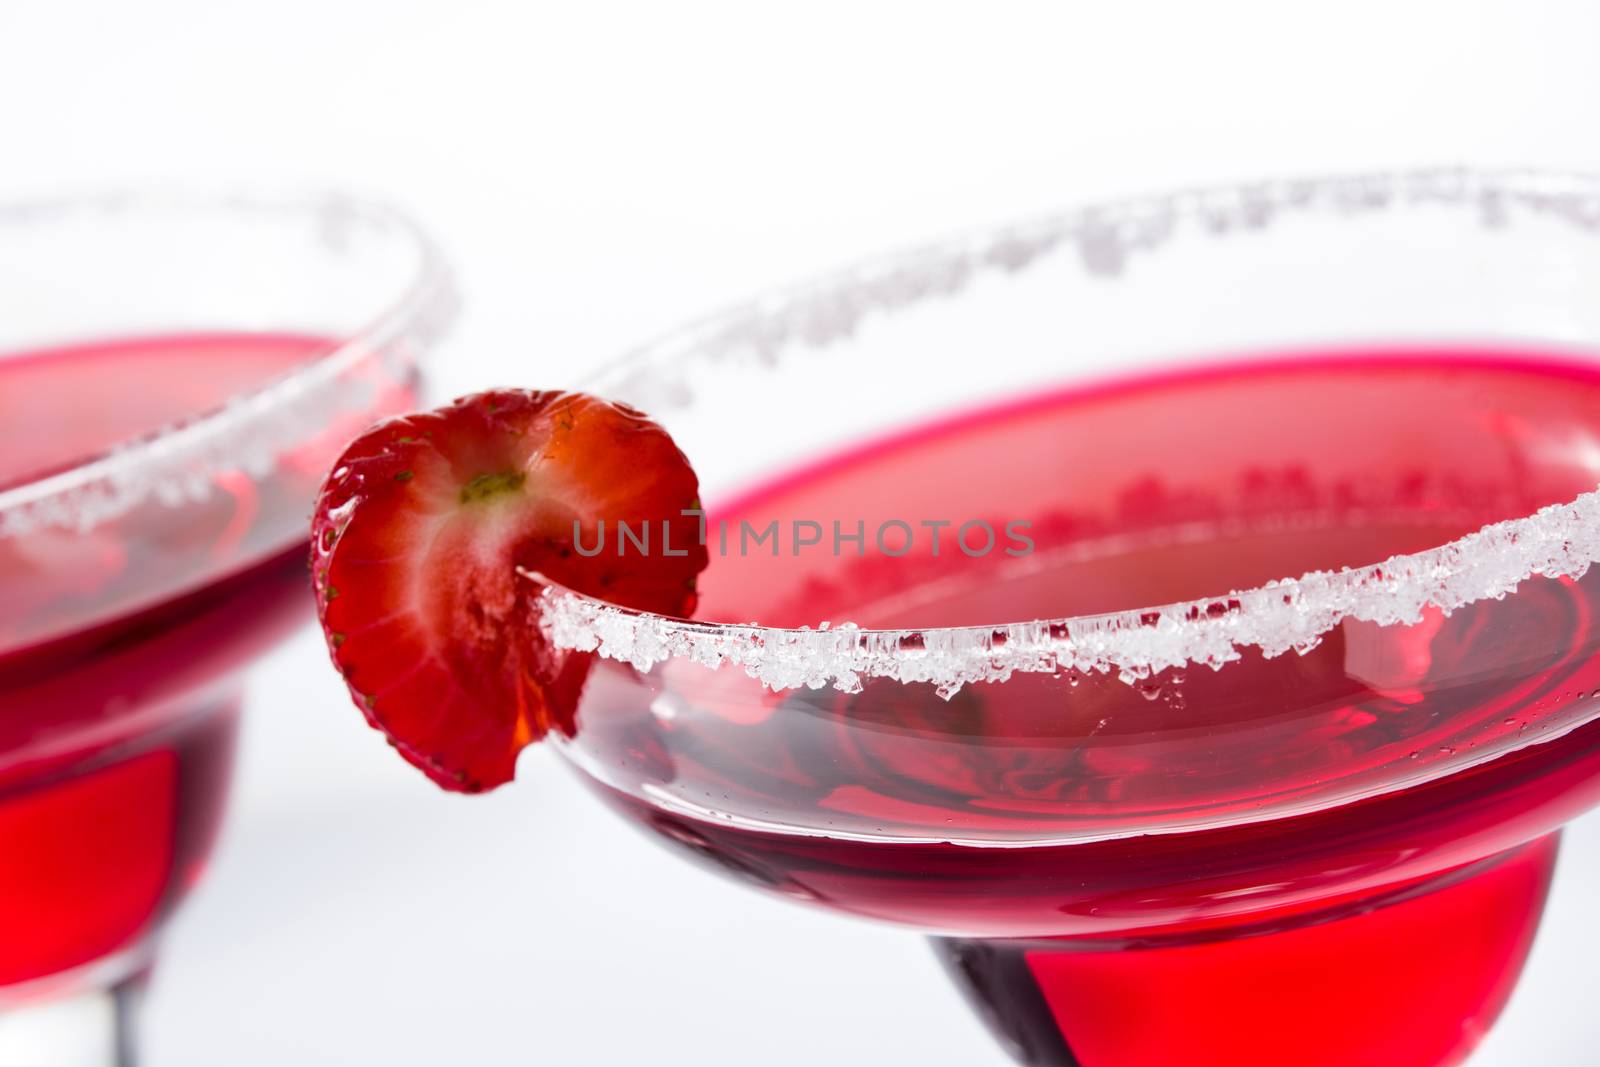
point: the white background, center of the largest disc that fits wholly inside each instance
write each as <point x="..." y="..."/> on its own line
<point x="598" y="171"/>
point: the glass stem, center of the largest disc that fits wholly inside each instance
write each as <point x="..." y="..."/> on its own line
<point x="92" y="1028"/>
<point x="1006" y="996"/>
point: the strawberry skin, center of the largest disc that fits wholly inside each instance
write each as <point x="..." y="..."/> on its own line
<point x="416" y="541"/>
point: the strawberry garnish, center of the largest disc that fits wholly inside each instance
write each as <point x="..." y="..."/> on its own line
<point x="418" y="537"/>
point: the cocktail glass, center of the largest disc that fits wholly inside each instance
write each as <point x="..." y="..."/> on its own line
<point x="177" y="370"/>
<point x="1156" y="800"/>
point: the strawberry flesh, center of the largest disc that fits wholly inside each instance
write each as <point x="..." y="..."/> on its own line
<point x="416" y="544"/>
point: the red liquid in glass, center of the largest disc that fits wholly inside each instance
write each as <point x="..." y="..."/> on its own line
<point x="1326" y="858"/>
<point x="120" y="645"/>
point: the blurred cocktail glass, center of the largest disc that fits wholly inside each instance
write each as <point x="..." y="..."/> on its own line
<point x="177" y="371"/>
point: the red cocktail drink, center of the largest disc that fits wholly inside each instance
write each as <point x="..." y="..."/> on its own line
<point x="1136" y="866"/>
<point x="154" y="483"/>
<point x="1180" y="608"/>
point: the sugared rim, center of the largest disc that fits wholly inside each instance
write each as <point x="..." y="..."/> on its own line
<point x="177" y="462"/>
<point x="1558" y="541"/>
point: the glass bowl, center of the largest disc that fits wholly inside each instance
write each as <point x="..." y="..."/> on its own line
<point x="1237" y="715"/>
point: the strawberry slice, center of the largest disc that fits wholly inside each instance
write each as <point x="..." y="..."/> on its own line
<point x="418" y="534"/>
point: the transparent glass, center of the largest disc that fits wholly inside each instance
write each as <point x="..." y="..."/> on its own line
<point x="1158" y="799"/>
<point x="177" y="371"/>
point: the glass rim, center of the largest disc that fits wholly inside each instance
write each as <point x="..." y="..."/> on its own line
<point x="1559" y="540"/>
<point x="173" y="458"/>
